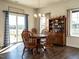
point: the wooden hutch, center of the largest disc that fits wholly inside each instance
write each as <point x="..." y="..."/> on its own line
<point x="58" y="27"/>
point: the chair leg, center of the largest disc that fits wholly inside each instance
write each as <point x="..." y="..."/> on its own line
<point x="23" y="51"/>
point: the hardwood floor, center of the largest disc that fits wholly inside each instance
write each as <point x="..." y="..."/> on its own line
<point x="57" y="52"/>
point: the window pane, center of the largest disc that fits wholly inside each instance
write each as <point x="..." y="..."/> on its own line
<point x="74" y="14"/>
<point x="42" y="23"/>
<point x="74" y="24"/>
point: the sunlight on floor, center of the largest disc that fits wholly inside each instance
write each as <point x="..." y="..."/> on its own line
<point x="11" y="48"/>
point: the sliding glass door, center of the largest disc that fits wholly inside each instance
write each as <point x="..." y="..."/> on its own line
<point x="16" y="26"/>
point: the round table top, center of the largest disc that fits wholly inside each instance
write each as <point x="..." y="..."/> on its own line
<point x="39" y="36"/>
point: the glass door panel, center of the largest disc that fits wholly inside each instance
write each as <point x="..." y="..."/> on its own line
<point x="12" y="28"/>
<point x="20" y="26"/>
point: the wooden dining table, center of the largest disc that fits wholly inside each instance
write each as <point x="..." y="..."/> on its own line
<point x="39" y="37"/>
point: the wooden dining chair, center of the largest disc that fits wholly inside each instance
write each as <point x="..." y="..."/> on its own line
<point x="34" y="30"/>
<point x="29" y="43"/>
<point x="43" y="40"/>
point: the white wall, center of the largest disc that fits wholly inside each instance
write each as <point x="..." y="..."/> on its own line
<point x="4" y="6"/>
<point x="60" y="8"/>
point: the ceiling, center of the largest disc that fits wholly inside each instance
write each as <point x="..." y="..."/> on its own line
<point x="35" y="3"/>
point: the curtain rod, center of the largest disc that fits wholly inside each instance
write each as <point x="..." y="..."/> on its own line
<point x="14" y="12"/>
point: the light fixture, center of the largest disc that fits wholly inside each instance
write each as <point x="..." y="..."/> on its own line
<point x="37" y="11"/>
<point x="35" y="15"/>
